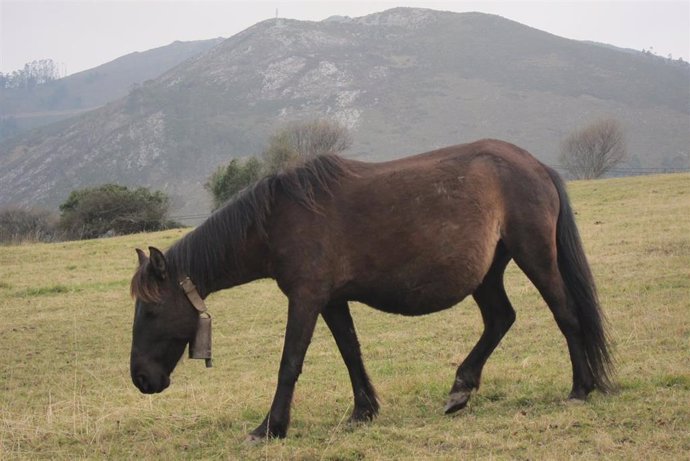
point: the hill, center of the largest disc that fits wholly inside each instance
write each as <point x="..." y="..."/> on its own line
<point x="405" y="80"/>
<point x="67" y="318"/>
<point x="23" y="109"/>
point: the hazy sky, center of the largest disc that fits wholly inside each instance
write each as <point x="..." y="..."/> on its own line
<point x="82" y="34"/>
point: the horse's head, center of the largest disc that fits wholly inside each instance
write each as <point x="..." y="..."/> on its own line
<point x="164" y="322"/>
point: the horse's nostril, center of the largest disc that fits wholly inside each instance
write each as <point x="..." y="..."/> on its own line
<point x="142" y="383"/>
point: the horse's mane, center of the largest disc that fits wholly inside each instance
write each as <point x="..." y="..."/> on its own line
<point x="213" y="245"/>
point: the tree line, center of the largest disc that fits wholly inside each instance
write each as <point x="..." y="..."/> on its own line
<point x="111" y="209"/>
<point x="33" y="74"/>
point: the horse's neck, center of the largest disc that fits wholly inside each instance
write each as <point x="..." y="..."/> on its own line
<point x="223" y="266"/>
<point x="249" y="263"/>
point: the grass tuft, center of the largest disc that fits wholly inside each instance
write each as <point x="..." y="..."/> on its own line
<point x="44" y="291"/>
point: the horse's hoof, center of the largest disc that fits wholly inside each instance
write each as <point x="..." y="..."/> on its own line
<point x="577" y="396"/>
<point x="575" y="401"/>
<point x="456" y="401"/>
<point x="261" y="433"/>
<point x="363" y="415"/>
<point x="252" y="439"/>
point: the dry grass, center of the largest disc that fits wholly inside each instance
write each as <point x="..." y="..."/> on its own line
<point x="65" y="391"/>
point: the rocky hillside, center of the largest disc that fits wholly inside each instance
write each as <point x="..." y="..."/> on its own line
<point x="405" y="81"/>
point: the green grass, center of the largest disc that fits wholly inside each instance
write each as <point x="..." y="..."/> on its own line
<point x="65" y="333"/>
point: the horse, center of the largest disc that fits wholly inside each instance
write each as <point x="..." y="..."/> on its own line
<point x="410" y="236"/>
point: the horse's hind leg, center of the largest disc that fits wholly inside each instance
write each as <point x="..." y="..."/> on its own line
<point x="339" y="321"/>
<point x="498" y="315"/>
<point x="538" y="261"/>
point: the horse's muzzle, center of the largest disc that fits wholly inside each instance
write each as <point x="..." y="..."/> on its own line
<point x="148" y="384"/>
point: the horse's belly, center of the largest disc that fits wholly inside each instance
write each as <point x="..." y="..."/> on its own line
<point x="406" y="299"/>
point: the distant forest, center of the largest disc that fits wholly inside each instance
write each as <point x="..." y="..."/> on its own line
<point x="34" y="73"/>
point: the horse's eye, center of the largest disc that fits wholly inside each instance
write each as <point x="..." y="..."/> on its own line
<point x="146" y="311"/>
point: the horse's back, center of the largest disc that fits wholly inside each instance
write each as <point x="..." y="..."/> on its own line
<point x="418" y="234"/>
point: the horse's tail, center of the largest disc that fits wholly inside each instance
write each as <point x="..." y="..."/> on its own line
<point x="580" y="287"/>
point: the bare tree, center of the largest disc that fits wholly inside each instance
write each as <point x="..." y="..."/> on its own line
<point x="288" y="147"/>
<point x="319" y="137"/>
<point x="591" y="151"/>
<point x="302" y="141"/>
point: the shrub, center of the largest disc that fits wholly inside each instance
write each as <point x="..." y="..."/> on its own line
<point x="228" y="180"/>
<point x="112" y="209"/>
<point x="21" y="225"/>
<point x="301" y="141"/>
<point x="287" y="148"/>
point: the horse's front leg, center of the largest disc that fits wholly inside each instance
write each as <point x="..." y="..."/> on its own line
<point x="302" y="315"/>
<point x="339" y="321"/>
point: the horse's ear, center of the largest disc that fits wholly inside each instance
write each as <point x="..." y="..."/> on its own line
<point x="158" y="264"/>
<point x="142" y="257"/>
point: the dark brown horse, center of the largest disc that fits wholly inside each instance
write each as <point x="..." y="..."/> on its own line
<point x="411" y="236"/>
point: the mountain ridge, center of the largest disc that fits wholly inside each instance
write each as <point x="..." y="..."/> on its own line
<point x="92" y="88"/>
<point x="404" y="80"/>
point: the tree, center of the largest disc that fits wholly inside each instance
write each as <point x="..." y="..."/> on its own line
<point x="593" y="150"/>
<point x="112" y="209"/>
<point x="34" y="73"/>
<point x="287" y="148"/>
<point x="228" y="180"/>
<point x="301" y="141"/>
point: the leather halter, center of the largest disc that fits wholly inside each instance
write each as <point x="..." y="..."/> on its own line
<point x="193" y="295"/>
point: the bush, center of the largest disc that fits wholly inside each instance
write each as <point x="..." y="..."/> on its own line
<point x="301" y="141"/>
<point x="228" y="180"/>
<point x="287" y="148"/>
<point x="112" y="209"/>
<point x="20" y="225"/>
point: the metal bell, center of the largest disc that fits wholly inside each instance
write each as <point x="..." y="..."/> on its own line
<point x="200" y="346"/>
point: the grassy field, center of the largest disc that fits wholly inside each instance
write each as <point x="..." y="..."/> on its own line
<point x="65" y="391"/>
